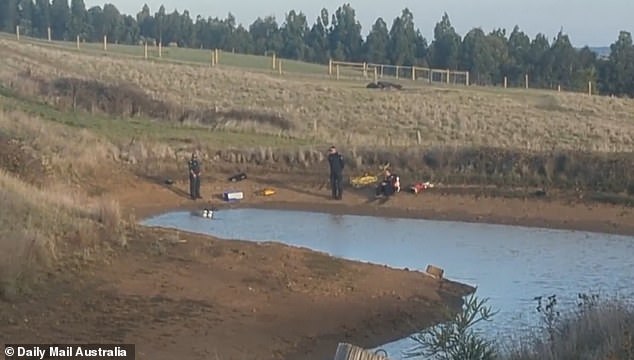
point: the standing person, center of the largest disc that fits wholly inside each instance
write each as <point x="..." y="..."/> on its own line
<point x="194" y="177"/>
<point x="336" y="172"/>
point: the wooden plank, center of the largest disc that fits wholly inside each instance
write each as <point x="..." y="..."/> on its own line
<point x="435" y="271"/>
<point x="347" y="351"/>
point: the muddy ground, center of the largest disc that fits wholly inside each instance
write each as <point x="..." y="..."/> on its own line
<point x="194" y="297"/>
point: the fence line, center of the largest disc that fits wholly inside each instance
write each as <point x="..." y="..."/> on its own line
<point x="397" y="72"/>
<point x="336" y="69"/>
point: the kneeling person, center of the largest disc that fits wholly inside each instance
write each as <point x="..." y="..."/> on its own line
<point x="390" y="185"/>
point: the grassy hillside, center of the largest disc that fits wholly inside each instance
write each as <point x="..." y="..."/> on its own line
<point x="449" y="134"/>
<point x="185" y="55"/>
<point x="351" y="114"/>
<point x="44" y="215"/>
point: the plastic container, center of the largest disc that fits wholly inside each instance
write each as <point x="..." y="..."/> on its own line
<point x="233" y="195"/>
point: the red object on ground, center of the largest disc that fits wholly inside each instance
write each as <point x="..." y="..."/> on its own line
<point x="419" y="187"/>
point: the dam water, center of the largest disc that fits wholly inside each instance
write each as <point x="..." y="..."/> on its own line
<point x="509" y="265"/>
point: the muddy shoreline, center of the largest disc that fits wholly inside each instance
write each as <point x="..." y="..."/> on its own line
<point x="601" y="225"/>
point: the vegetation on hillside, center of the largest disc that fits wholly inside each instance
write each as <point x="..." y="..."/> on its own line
<point x="595" y="329"/>
<point x="476" y="137"/>
<point x="488" y="56"/>
<point x="43" y="218"/>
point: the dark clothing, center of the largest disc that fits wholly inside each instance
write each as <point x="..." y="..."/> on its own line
<point x="336" y="184"/>
<point x="336" y="163"/>
<point x="336" y="175"/>
<point x="194" y="179"/>
<point x="194" y="187"/>
<point x="194" y="166"/>
<point x="388" y="186"/>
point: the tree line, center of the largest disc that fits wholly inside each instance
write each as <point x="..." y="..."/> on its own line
<point x="489" y="57"/>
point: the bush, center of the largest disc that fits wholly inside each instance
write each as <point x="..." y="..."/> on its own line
<point x="595" y="330"/>
<point x="457" y="339"/>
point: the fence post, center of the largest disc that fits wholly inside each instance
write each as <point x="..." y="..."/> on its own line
<point x="329" y="67"/>
<point x="77" y="42"/>
<point x="365" y="70"/>
<point x="279" y="66"/>
<point x="526" y="81"/>
<point x="431" y="75"/>
<point x="213" y="58"/>
<point x="376" y="76"/>
<point x="337" y="66"/>
<point x="413" y="73"/>
<point x="381" y="72"/>
<point x="17" y="32"/>
<point x="48" y="31"/>
<point x="273" y="61"/>
<point x="217" y="55"/>
<point x="160" y="49"/>
<point x="145" y="50"/>
<point x="590" y="88"/>
<point x="505" y="82"/>
<point x="467" y="76"/>
<point x="397" y="71"/>
<point x="105" y="43"/>
<point x="558" y="87"/>
<point x="448" y="76"/>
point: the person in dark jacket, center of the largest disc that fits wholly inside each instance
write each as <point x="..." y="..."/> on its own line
<point x="390" y="185"/>
<point x="335" y="159"/>
<point x="194" y="177"/>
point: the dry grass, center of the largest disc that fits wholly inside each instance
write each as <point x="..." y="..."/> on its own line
<point x="153" y="155"/>
<point x="468" y="136"/>
<point x="349" y="114"/>
<point x="39" y="227"/>
<point x="61" y="150"/>
<point x="43" y="218"/>
<point x="602" y="332"/>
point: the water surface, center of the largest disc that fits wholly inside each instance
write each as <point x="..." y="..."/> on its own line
<point x="509" y="265"/>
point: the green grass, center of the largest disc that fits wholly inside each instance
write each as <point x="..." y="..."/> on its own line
<point x="118" y="129"/>
<point x="175" y="54"/>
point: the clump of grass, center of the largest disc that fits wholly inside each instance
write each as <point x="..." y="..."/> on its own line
<point x="597" y="329"/>
<point x="59" y="149"/>
<point x="42" y="222"/>
<point x="39" y="227"/>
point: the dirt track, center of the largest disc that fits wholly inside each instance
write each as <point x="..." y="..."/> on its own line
<point x="206" y="298"/>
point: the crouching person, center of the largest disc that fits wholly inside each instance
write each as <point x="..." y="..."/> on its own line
<point x="390" y="185"/>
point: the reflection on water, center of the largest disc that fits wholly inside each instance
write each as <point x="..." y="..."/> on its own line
<point x="509" y="265"/>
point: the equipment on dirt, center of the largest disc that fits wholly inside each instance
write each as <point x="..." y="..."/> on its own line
<point x="367" y="179"/>
<point x="364" y="180"/>
<point x="207" y="213"/>
<point x="420" y="187"/>
<point x="238" y="177"/>
<point x="169" y="182"/>
<point x="233" y="195"/>
<point x="267" y="192"/>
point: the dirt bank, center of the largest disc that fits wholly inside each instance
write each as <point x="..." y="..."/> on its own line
<point x="193" y="297"/>
<point x="182" y="295"/>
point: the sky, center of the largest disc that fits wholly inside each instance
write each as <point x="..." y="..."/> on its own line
<point x="587" y="22"/>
